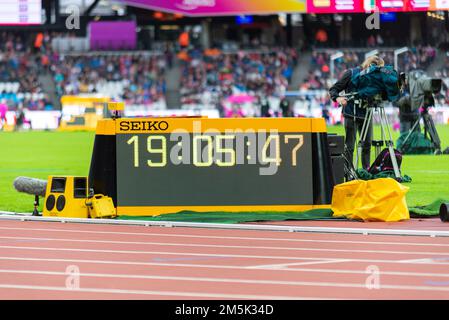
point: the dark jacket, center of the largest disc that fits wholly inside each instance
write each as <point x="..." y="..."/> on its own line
<point x="406" y="113"/>
<point x="344" y="84"/>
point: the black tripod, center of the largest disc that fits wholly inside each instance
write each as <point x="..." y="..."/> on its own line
<point x="430" y="132"/>
<point x="371" y="106"/>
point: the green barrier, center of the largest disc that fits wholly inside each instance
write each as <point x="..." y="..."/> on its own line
<point x="428" y="211"/>
<point x="238" y="217"/>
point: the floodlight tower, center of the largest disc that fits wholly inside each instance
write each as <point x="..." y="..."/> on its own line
<point x="397" y="52"/>
<point x="335" y="56"/>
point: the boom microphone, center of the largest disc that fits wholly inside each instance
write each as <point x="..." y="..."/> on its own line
<point x="35" y="187"/>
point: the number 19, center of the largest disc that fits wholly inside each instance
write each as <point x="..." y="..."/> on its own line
<point x="162" y="150"/>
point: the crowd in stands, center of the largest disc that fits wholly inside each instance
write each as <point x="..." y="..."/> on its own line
<point x="19" y="71"/>
<point x="135" y="79"/>
<point x="320" y="73"/>
<point x="258" y="73"/>
<point x="138" y="79"/>
<point x="444" y="72"/>
<point x="208" y="77"/>
<point x="318" y="78"/>
<point x="421" y="57"/>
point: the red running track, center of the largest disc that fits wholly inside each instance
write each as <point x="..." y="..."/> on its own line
<point x="49" y="260"/>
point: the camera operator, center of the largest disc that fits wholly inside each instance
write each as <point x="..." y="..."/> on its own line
<point x="354" y="115"/>
<point x="407" y="116"/>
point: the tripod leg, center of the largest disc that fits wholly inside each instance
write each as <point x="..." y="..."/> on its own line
<point x="404" y="143"/>
<point x="387" y="125"/>
<point x="350" y="173"/>
<point x="430" y="127"/>
<point x="363" y="134"/>
<point x="389" y="143"/>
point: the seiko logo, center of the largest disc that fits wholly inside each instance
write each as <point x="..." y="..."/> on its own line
<point x="143" y="125"/>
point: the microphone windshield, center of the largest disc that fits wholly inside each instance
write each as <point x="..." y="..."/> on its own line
<point x="31" y="186"/>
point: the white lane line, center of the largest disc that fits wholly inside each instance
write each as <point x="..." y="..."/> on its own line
<point x="205" y="295"/>
<point x="425" y="260"/>
<point x="285" y="265"/>
<point x="232" y="280"/>
<point x="213" y="266"/>
<point x="162" y="253"/>
<point x="182" y="253"/>
<point x="227" y="237"/>
<point x="154" y="277"/>
<point x="225" y="226"/>
<point x="178" y="245"/>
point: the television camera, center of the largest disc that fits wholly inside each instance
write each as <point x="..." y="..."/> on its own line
<point x="416" y="105"/>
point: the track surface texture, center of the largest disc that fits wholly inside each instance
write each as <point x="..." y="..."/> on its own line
<point x="51" y="260"/>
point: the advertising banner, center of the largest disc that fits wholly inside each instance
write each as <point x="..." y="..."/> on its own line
<point x="222" y="7"/>
<point x="334" y="6"/>
<point x="20" y="12"/>
<point x="248" y="7"/>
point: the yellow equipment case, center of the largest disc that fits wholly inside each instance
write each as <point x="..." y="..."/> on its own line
<point x="101" y="206"/>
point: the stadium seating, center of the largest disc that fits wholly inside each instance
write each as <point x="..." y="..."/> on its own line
<point x="211" y="78"/>
<point x="19" y="71"/>
<point x="207" y="78"/>
<point x="137" y="78"/>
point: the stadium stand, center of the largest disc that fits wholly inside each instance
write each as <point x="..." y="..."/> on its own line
<point x="19" y="70"/>
<point x="318" y="78"/>
<point x="213" y="77"/>
<point x="136" y="78"/>
<point x="208" y="78"/>
<point x="319" y="72"/>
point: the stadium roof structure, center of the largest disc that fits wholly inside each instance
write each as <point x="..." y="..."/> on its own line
<point x="221" y="7"/>
<point x="103" y="8"/>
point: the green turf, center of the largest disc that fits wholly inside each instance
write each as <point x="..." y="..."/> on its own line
<point x="42" y="153"/>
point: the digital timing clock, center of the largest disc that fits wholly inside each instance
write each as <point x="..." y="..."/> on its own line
<point x="153" y="166"/>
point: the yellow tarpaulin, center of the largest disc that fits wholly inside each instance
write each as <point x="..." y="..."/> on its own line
<point x="372" y="200"/>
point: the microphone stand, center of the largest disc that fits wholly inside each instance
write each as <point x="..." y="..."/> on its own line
<point x="36" y="206"/>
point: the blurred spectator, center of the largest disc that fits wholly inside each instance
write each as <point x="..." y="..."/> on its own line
<point x="20" y="118"/>
<point x="264" y="108"/>
<point x="3" y="110"/>
<point x="321" y="37"/>
<point x="379" y="40"/>
<point x="287" y="111"/>
<point x="371" y="42"/>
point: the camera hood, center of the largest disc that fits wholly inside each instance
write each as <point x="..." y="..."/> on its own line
<point x="422" y="87"/>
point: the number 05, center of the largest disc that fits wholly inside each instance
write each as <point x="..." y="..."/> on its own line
<point x="229" y="151"/>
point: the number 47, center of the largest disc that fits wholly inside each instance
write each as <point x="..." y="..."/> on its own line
<point x="276" y="158"/>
